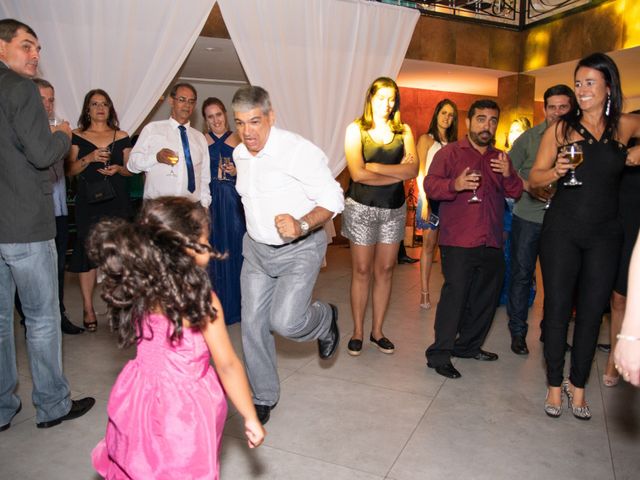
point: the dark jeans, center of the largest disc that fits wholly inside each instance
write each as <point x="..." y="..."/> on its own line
<point x="468" y="301"/>
<point x="525" y="243"/>
<point x="587" y="260"/>
<point x="62" y="238"/>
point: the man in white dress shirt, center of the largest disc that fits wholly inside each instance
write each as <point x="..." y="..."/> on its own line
<point x="288" y="193"/>
<point x="161" y="142"/>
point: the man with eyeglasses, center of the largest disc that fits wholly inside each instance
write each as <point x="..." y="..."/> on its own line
<point x="173" y="155"/>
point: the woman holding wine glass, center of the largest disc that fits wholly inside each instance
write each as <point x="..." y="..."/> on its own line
<point x="98" y="160"/>
<point x="581" y="235"/>
<point x="227" y="215"/>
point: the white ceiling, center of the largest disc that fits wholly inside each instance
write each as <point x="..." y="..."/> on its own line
<point x="215" y="60"/>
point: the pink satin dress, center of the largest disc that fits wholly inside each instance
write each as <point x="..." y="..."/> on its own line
<point x="166" y="411"/>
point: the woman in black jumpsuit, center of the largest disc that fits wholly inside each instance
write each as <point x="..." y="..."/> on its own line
<point x="581" y="234"/>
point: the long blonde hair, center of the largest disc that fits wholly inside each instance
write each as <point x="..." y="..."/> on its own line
<point x="366" y="120"/>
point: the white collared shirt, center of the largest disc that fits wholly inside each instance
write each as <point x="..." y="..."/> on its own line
<point x="289" y="175"/>
<point x="158" y="182"/>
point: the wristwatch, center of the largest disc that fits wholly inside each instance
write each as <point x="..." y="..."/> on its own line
<point x="304" y="227"/>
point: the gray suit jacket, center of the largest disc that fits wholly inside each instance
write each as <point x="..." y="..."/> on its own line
<point x="27" y="150"/>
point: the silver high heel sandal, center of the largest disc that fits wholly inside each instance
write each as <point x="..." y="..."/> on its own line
<point x="581" y="413"/>
<point x="554" y="411"/>
<point x="425" y="301"/>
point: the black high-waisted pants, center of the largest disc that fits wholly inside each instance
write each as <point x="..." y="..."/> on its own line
<point x="584" y="260"/>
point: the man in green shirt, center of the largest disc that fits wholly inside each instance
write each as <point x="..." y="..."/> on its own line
<point x="528" y="214"/>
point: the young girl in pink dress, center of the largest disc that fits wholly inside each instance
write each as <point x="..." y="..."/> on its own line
<point x="167" y="408"/>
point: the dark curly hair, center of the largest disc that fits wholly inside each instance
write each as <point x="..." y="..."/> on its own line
<point x="148" y="267"/>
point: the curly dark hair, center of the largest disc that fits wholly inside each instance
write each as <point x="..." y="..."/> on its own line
<point x="148" y="267"/>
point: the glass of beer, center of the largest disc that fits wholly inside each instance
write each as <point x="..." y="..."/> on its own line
<point x="573" y="153"/>
<point x="173" y="159"/>
<point x="478" y="175"/>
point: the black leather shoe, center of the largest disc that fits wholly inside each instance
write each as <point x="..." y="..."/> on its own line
<point x="519" y="345"/>
<point x="78" y="409"/>
<point x="485" y="356"/>
<point x="68" y="327"/>
<point x="405" y="259"/>
<point x="327" y="347"/>
<point x="264" y="413"/>
<point x="446" y="370"/>
<point x="7" y="425"/>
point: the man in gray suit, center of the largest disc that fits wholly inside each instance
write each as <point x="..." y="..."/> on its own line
<point x="28" y="259"/>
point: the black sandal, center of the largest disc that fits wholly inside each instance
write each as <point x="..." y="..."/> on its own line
<point x="89" y="326"/>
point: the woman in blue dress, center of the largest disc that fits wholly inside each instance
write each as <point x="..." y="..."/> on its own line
<point x="227" y="215"/>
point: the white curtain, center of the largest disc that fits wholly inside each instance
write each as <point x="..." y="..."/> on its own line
<point x="130" y="48"/>
<point x="317" y="57"/>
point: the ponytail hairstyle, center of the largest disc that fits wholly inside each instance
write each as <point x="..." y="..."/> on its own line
<point x="612" y="108"/>
<point x="148" y="267"/>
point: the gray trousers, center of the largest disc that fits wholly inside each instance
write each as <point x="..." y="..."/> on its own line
<point x="277" y="284"/>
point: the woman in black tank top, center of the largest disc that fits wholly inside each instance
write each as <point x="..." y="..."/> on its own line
<point x="380" y="155"/>
<point x="581" y="234"/>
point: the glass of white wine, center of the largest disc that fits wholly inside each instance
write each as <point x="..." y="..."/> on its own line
<point x="551" y="191"/>
<point x="173" y="159"/>
<point x="225" y="165"/>
<point x="573" y="153"/>
<point x="478" y="175"/>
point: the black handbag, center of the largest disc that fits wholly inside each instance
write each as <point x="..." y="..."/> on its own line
<point x="100" y="191"/>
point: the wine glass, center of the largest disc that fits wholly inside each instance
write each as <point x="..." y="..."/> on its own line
<point x="478" y="175"/>
<point x="551" y="191"/>
<point x="107" y="153"/>
<point x="173" y="159"/>
<point x="225" y="164"/>
<point x="573" y="153"/>
<point x="55" y="121"/>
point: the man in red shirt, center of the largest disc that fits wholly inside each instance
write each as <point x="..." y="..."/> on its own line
<point x="471" y="179"/>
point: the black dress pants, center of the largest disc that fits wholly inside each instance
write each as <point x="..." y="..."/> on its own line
<point x="472" y="281"/>
<point x="584" y="260"/>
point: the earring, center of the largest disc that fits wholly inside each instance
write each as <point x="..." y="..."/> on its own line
<point x="608" y="109"/>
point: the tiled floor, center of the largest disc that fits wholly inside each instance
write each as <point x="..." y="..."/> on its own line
<point x="370" y="417"/>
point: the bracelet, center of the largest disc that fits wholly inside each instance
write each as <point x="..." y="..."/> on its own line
<point x="631" y="338"/>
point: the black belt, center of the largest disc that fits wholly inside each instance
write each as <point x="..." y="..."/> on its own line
<point x="293" y="242"/>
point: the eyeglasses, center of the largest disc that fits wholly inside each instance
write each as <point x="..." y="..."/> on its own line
<point x="190" y="101"/>
<point x="99" y="104"/>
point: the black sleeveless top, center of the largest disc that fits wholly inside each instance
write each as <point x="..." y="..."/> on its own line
<point x="595" y="202"/>
<point x="385" y="196"/>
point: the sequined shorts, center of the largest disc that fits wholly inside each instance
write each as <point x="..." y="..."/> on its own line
<point x="365" y="225"/>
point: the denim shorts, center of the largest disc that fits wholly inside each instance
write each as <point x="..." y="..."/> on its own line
<point x="365" y="225"/>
